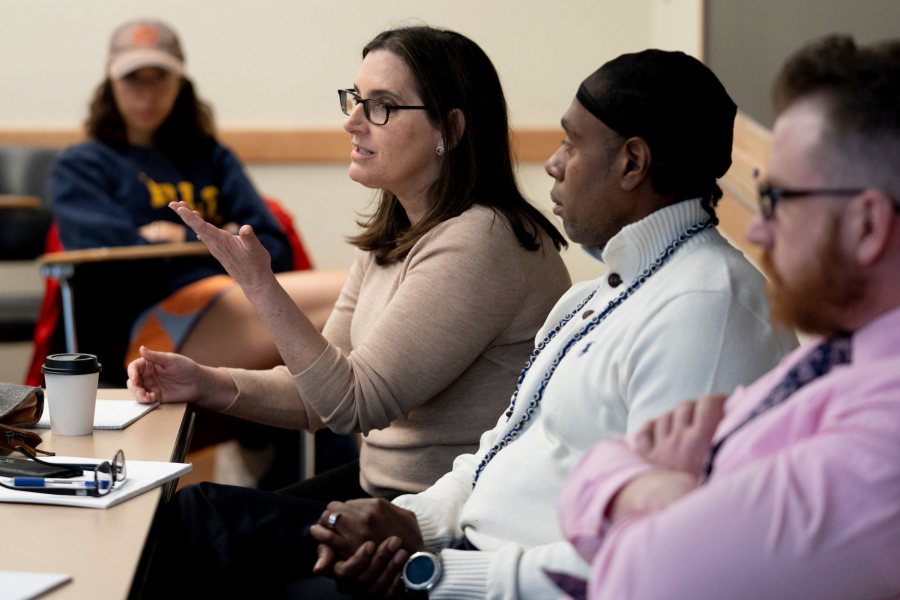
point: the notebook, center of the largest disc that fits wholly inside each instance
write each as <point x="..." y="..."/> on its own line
<point x="110" y="414"/>
<point x="24" y="585"/>
<point x="141" y="476"/>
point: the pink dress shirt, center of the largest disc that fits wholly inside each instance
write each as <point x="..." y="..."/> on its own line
<point x="803" y="502"/>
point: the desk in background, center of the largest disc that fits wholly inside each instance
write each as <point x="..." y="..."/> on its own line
<point x="11" y="201"/>
<point x="100" y="549"/>
<point x="61" y="266"/>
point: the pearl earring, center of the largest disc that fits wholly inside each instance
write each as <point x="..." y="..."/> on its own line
<point x="439" y="150"/>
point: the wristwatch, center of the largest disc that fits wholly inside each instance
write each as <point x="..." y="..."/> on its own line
<point x="422" y="571"/>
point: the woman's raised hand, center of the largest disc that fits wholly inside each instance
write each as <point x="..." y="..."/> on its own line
<point x="242" y="255"/>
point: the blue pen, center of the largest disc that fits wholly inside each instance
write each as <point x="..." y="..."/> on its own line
<point x="47" y="483"/>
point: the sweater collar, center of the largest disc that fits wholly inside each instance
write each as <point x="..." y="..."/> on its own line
<point x="637" y="245"/>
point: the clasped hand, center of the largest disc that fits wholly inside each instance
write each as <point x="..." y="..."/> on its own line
<point x="366" y="548"/>
<point x="678" y="442"/>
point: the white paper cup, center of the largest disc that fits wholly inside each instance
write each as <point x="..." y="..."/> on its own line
<point x="71" y="381"/>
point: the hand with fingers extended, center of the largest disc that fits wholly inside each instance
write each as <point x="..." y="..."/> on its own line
<point x="677" y="442"/>
<point x="242" y="255"/>
<point x="168" y="377"/>
<point x="345" y="526"/>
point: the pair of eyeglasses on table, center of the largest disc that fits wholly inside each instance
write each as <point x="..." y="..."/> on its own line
<point x="74" y="480"/>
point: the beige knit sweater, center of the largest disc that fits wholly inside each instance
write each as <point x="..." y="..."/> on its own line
<point x="423" y="354"/>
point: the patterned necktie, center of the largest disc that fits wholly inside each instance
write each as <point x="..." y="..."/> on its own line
<point x="833" y="351"/>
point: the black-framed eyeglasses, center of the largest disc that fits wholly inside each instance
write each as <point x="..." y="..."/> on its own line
<point x="376" y="111"/>
<point x="769" y="196"/>
<point x="106" y="475"/>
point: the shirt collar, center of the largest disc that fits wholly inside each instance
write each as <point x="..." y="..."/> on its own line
<point x="877" y="338"/>
<point x="637" y="245"/>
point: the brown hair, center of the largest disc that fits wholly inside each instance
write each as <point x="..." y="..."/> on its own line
<point x="451" y="72"/>
<point x="860" y="87"/>
<point x="189" y="126"/>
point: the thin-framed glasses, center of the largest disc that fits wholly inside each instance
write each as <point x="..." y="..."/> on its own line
<point x="770" y="196"/>
<point x="117" y="465"/>
<point x="376" y="111"/>
<point x="105" y="477"/>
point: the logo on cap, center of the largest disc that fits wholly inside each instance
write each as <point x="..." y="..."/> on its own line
<point x="145" y="36"/>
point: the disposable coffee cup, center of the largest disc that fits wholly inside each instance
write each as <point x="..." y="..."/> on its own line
<point x="71" y="381"/>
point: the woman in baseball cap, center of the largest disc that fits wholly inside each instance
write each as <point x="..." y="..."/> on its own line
<point x="153" y="142"/>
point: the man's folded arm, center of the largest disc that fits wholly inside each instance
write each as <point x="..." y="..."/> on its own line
<point x="753" y="533"/>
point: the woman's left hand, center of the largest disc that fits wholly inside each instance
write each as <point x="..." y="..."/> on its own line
<point x="169" y="377"/>
<point x="242" y="255"/>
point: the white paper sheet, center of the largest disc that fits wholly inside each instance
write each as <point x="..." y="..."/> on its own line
<point x="141" y="476"/>
<point x="109" y="414"/>
<point x="24" y="585"/>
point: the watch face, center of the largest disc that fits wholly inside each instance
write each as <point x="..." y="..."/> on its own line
<point x="420" y="569"/>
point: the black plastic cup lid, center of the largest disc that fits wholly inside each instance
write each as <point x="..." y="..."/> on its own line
<point x="70" y="364"/>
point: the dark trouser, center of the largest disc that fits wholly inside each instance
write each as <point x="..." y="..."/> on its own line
<point x="227" y="541"/>
<point x="286" y="444"/>
<point x="340" y="483"/>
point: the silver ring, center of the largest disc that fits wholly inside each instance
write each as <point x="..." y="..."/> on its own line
<point x="332" y="520"/>
<point x="199" y="239"/>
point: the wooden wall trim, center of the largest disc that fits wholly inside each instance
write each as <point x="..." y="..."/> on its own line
<point x="752" y="144"/>
<point x="288" y="146"/>
<point x="39" y="136"/>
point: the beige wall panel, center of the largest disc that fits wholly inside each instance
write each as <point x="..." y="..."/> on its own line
<point x="275" y="65"/>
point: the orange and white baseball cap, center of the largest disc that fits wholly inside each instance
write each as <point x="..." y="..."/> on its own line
<point x="144" y="43"/>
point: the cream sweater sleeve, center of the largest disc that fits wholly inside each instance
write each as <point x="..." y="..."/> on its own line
<point x="270" y="397"/>
<point x="452" y="296"/>
<point x="450" y="299"/>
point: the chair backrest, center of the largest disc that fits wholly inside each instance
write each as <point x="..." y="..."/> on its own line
<point x="23" y="229"/>
<point x="301" y="258"/>
<point x="23" y="172"/>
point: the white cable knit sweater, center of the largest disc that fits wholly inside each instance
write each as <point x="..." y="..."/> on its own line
<point x="699" y="325"/>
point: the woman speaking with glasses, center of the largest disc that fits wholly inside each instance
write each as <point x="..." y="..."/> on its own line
<point x="454" y="273"/>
